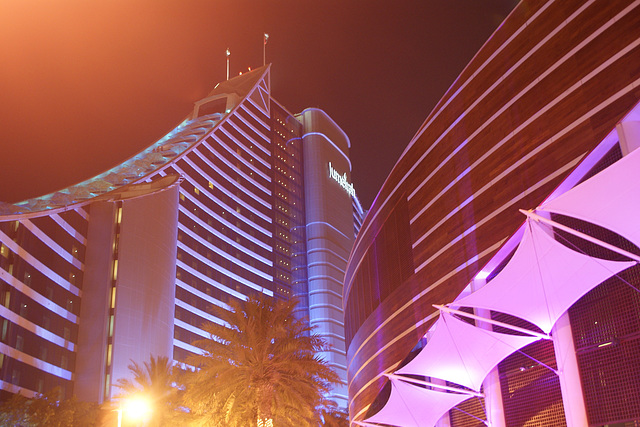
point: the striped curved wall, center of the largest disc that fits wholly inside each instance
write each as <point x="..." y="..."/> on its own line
<point x="543" y="91"/>
<point x="42" y="262"/>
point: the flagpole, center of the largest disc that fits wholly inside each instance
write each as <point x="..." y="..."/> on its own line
<point x="228" y="54"/>
<point x="264" y="49"/>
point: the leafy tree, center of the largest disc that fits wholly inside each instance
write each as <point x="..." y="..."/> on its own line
<point x="155" y="381"/>
<point x="335" y="418"/>
<point x="260" y="364"/>
<point x="48" y="410"/>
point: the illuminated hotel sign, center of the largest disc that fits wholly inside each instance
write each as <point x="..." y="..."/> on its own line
<point x="342" y="180"/>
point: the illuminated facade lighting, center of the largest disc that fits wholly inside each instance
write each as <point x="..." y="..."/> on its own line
<point x="126" y="264"/>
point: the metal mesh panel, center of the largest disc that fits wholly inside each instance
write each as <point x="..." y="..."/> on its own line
<point x="469" y="413"/>
<point x="606" y="331"/>
<point x="530" y="391"/>
<point x="612" y="156"/>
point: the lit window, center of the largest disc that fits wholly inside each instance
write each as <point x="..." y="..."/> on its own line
<point x="115" y="269"/>
<point x="195" y="190"/>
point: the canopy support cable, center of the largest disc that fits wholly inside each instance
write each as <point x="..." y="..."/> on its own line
<point x="434" y="385"/>
<point x="581" y="235"/>
<point x="491" y="321"/>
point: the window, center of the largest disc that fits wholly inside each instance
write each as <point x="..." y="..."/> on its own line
<point x="5" y="327"/>
<point x="7" y="299"/>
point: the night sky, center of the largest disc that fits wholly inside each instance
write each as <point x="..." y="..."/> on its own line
<point x="86" y="84"/>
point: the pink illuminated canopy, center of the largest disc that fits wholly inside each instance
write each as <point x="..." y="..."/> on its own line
<point x="542" y="280"/>
<point x="413" y="406"/>
<point x="595" y="202"/>
<point x="462" y="353"/>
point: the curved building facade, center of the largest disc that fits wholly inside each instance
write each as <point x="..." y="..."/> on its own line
<point x="534" y="112"/>
<point x="237" y="200"/>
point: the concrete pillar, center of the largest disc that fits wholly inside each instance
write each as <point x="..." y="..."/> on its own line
<point x="568" y="373"/>
<point x="445" y="420"/>
<point x="629" y="136"/>
<point x="491" y="385"/>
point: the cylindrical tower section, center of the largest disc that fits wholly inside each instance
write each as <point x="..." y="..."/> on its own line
<point x="329" y="217"/>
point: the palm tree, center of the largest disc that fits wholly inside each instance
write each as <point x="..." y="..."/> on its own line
<point x="260" y="364"/>
<point x="155" y="381"/>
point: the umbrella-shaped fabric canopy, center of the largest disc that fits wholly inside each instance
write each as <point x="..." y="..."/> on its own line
<point x="542" y="280"/>
<point x="413" y="406"/>
<point x="610" y="199"/>
<point x="462" y="353"/>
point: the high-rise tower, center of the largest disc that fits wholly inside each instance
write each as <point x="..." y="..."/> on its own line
<point x="241" y="198"/>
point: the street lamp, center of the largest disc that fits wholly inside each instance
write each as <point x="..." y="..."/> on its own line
<point x="136" y="408"/>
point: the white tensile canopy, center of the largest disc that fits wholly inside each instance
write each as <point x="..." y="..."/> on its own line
<point x="540" y="283"/>
<point x="595" y="200"/>
<point x="412" y="406"/>
<point x="462" y="353"/>
<point x="542" y="280"/>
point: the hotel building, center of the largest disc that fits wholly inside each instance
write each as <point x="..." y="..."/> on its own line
<point x="546" y="109"/>
<point x="241" y="198"/>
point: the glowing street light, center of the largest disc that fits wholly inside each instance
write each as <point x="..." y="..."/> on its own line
<point x="136" y="409"/>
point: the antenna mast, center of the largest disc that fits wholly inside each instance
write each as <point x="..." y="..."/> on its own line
<point x="264" y="49"/>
